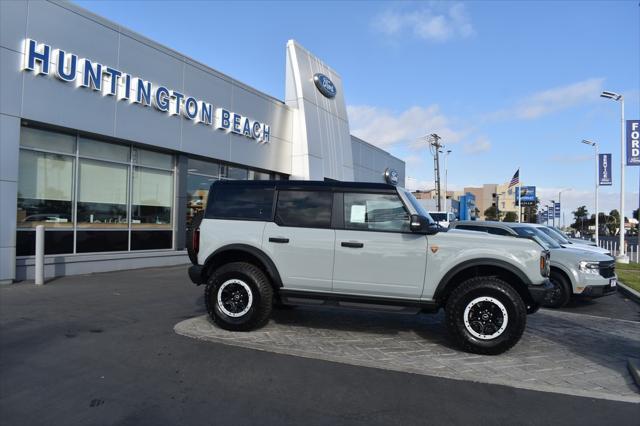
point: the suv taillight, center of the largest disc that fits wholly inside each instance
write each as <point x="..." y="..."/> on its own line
<point x="195" y="243"/>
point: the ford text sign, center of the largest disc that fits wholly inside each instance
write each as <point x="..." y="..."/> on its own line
<point x="633" y="142"/>
<point x="325" y="85"/>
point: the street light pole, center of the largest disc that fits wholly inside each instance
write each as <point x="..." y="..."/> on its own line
<point x="597" y="150"/>
<point x="561" y="218"/>
<point x="446" y="175"/>
<point x="621" y="257"/>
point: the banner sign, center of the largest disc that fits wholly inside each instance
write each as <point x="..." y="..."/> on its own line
<point x="528" y="195"/>
<point x="604" y="170"/>
<point x="633" y="142"/>
<point x="557" y="210"/>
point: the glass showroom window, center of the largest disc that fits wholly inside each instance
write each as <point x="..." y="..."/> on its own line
<point x="152" y="201"/>
<point x="45" y="190"/>
<point x="105" y="196"/>
<point x="103" y="183"/>
<point x="200" y="176"/>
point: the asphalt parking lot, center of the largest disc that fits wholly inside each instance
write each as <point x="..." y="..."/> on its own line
<point x="101" y="349"/>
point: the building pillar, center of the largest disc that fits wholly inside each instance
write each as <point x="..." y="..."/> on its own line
<point x="180" y="202"/>
<point x="9" y="157"/>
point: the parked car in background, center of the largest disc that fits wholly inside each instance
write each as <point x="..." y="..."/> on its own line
<point x="574" y="272"/>
<point x="559" y="238"/>
<point x="574" y="240"/>
<point x="443" y="219"/>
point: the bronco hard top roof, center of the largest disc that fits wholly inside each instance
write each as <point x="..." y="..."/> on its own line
<point x="307" y="184"/>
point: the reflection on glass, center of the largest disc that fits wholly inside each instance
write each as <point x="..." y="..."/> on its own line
<point x="233" y="173"/>
<point x="105" y="150"/>
<point x="145" y="157"/>
<point x="242" y="203"/>
<point x="152" y="198"/>
<point x="375" y="212"/>
<point x="255" y="175"/>
<point x="102" y="194"/>
<point x="203" y="167"/>
<point x="304" y="209"/>
<point x="45" y="183"/>
<point x="197" y="194"/>
<point x="49" y="141"/>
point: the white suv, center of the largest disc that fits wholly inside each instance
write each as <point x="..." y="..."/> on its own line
<point x="357" y="245"/>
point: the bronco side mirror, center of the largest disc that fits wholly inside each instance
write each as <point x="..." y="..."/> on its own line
<point x="421" y="224"/>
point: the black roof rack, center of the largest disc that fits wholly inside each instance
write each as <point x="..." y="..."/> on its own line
<point x="315" y="184"/>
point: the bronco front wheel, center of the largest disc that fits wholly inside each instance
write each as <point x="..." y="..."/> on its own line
<point x="485" y="315"/>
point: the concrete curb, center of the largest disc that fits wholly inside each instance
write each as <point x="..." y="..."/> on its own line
<point x="634" y="369"/>
<point x="629" y="292"/>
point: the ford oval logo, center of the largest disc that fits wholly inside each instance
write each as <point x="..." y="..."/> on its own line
<point x="325" y="85"/>
<point x="391" y="176"/>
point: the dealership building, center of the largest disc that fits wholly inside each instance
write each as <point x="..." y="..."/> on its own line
<point x="111" y="140"/>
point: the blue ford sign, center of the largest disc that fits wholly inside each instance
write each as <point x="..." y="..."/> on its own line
<point x="325" y="85"/>
<point x="604" y="170"/>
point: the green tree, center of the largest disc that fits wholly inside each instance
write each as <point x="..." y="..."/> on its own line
<point x="510" y="217"/>
<point x="491" y="213"/>
<point x="613" y="224"/>
<point x="580" y="214"/>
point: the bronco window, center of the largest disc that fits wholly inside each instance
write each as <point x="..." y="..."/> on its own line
<point x="375" y="212"/>
<point x="236" y="202"/>
<point x="308" y="209"/>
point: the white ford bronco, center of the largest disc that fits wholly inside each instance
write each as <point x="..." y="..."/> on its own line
<point x="261" y="243"/>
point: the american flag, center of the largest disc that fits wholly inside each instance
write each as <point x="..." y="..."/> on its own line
<point x="515" y="179"/>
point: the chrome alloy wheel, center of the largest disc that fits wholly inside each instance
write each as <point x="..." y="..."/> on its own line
<point x="485" y="318"/>
<point x="235" y="298"/>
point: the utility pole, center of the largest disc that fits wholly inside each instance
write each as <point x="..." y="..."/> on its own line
<point x="434" y="146"/>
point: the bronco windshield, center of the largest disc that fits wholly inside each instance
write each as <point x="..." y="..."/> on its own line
<point x="416" y="205"/>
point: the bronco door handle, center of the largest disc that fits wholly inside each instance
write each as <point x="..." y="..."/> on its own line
<point x="351" y="244"/>
<point x="278" y="240"/>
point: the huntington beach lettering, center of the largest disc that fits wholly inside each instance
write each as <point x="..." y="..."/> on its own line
<point x="40" y="58"/>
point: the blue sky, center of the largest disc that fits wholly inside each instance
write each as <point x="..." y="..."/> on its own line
<point x="506" y="84"/>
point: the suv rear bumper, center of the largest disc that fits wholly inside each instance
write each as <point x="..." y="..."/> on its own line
<point x="540" y="291"/>
<point x="196" y="274"/>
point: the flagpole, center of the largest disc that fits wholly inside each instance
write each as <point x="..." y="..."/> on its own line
<point x="519" y="195"/>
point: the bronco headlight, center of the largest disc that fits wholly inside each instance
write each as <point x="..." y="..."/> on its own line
<point x="544" y="264"/>
<point x="589" y="267"/>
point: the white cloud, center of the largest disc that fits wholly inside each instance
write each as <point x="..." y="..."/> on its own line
<point x="548" y="101"/>
<point x="433" y="23"/>
<point x="383" y="127"/>
<point x="482" y="144"/>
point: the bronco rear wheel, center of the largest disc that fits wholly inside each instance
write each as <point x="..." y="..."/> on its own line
<point x="239" y="297"/>
<point x="485" y="315"/>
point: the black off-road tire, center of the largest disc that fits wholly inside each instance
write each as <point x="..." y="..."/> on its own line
<point x="561" y="293"/>
<point x="497" y="289"/>
<point x="261" y="291"/>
